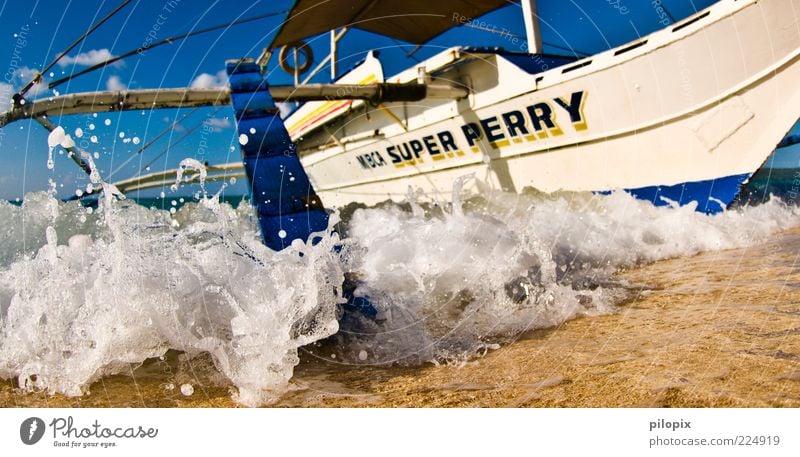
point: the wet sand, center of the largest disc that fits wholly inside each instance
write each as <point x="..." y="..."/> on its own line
<point x="720" y="329"/>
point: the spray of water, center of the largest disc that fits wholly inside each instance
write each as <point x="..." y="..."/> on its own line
<point x="128" y="284"/>
<point x="86" y="293"/>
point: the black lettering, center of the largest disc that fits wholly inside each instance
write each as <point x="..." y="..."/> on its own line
<point x="490" y="126"/>
<point x="573" y="107"/>
<point x="416" y="147"/>
<point x="471" y="132"/>
<point x="541" y="113"/>
<point x="395" y="158"/>
<point x="362" y="161"/>
<point x="430" y="143"/>
<point x="515" y="123"/>
<point x="446" y="138"/>
<point x="406" y="153"/>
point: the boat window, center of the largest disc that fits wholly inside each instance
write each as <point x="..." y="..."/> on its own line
<point x="690" y="22"/>
<point x="630" y="48"/>
<point x="575" y="67"/>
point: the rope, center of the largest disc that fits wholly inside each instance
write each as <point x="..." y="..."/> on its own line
<point x="150" y="143"/>
<point x="38" y="76"/>
<point x="185" y="135"/>
<point x="170" y="40"/>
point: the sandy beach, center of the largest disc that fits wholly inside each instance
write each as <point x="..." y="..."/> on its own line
<point x="719" y="329"/>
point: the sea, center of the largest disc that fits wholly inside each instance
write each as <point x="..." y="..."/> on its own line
<point x="93" y="291"/>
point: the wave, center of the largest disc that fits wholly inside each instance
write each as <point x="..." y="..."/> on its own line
<point x="85" y="293"/>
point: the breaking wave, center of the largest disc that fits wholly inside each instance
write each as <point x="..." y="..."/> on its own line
<point x="85" y="293"/>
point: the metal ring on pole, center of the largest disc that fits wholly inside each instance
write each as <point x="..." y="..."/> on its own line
<point x="302" y="48"/>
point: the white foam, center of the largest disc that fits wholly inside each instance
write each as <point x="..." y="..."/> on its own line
<point x="57" y="137"/>
<point x="84" y="294"/>
<point x="130" y="287"/>
<point x="450" y="283"/>
<point x="135" y="286"/>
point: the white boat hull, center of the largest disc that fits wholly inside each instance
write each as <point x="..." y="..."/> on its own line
<point x="687" y="113"/>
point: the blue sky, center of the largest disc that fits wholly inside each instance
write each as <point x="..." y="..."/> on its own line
<point x="48" y="26"/>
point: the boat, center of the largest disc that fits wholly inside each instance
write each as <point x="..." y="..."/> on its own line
<point x="675" y="116"/>
<point x="682" y="116"/>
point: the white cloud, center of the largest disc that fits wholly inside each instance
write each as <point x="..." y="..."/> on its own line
<point x="21" y="77"/>
<point x="92" y="57"/>
<point x="114" y="83"/>
<point x="208" y="81"/>
<point x="6" y="92"/>
<point x="285" y="108"/>
<point x="217" y="125"/>
<point x="24" y="74"/>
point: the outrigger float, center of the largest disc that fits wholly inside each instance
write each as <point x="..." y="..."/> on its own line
<point x="685" y="114"/>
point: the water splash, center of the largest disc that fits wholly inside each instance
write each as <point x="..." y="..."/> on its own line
<point x="131" y="285"/>
<point x="57" y="137"/>
<point x="190" y="164"/>
<point x="85" y="294"/>
<point x="450" y="283"/>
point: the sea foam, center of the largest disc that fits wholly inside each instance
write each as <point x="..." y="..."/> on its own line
<point x="131" y="283"/>
<point x="86" y="294"/>
<point x="450" y="282"/>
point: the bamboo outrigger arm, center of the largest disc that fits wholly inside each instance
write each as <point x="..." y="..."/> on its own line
<point x="147" y="99"/>
<point x="222" y="172"/>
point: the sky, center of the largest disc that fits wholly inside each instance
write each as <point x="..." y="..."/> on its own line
<point x="34" y="32"/>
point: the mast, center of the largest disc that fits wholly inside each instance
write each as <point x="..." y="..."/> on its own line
<point x="532" y="30"/>
<point x="333" y="56"/>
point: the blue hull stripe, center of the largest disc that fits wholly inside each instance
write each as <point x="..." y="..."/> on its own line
<point x="712" y="195"/>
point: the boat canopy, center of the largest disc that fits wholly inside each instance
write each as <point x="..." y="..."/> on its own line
<point x="414" y="21"/>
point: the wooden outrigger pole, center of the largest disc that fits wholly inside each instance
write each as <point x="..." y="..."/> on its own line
<point x="148" y="99"/>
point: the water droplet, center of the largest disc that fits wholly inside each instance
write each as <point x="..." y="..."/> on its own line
<point x="107" y="122"/>
<point x="281" y="234"/>
<point x="187" y="390"/>
<point x="243" y="139"/>
<point x="362" y="355"/>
